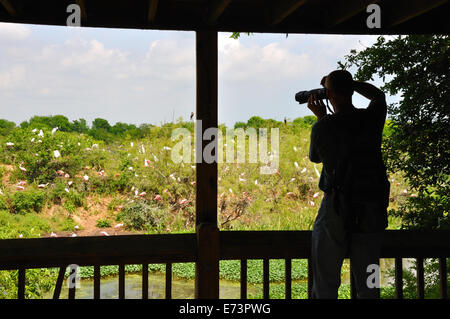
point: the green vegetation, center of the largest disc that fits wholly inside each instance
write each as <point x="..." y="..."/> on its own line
<point x="134" y="182"/>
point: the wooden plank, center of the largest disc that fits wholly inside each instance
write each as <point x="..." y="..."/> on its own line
<point x="443" y="277"/>
<point x="138" y="249"/>
<point x="398" y="278"/>
<point x="244" y="16"/>
<point x="266" y="285"/>
<point x="404" y="10"/>
<point x="243" y="278"/>
<point x="97" y="250"/>
<point x="420" y="279"/>
<point x="145" y="281"/>
<point x="347" y="10"/>
<point x="168" y="281"/>
<point x="297" y="244"/>
<point x="207" y="265"/>
<point x="8" y="7"/>
<point x="261" y="244"/>
<point x="152" y="10"/>
<point x="21" y="284"/>
<point x="59" y="282"/>
<point x="206" y="112"/>
<point x="122" y="281"/>
<point x="97" y="276"/>
<point x="216" y="10"/>
<point x="288" y="278"/>
<point x="282" y="9"/>
<point x="310" y="279"/>
<point x="353" y="293"/>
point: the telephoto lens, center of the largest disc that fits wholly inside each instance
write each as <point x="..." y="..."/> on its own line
<point x="303" y="96"/>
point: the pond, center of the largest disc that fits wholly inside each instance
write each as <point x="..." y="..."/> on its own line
<point x="184" y="288"/>
<point x="181" y="288"/>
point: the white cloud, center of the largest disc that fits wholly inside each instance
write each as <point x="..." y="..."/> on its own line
<point x="260" y="64"/>
<point x="94" y="74"/>
<point x="86" y="55"/>
<point x="14" y="31"/>
<point x="13" y="77"/>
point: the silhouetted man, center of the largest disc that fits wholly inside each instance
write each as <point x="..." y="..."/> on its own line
<point x="352" y="214"/>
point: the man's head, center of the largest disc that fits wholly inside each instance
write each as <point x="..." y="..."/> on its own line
<point x="339" y="85"/>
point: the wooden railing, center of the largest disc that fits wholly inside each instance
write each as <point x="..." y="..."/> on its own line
<point x="24" y="254"/>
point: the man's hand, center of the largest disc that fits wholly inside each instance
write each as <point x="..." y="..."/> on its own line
<point x="317" y="107"/>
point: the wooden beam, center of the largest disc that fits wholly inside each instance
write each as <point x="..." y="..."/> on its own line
<point x="8" y="7"/>
<point x="82" y="6"/>
<point x="207" y="266"/>
<point x="97" y="250"/>
<point x="152" y="9"/>
<point x="216" y="10"/>
<point x="407" y="10"/>
<point x="347" y="9"/>
<point x="206" y="112"/>
<point x="282" y="9"/>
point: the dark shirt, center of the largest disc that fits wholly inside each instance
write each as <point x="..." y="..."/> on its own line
<point x="353" y="134"/>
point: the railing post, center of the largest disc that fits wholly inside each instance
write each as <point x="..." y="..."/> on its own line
<point x="207" y="265"/>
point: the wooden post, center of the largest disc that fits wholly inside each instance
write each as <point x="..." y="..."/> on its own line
<point x="207" y="265"/>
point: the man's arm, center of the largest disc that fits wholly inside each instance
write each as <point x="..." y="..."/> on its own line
<point x="377" y="106"/>
<point x="368" y="90"/>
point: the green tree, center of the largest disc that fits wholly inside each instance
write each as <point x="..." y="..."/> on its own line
<point x="100" y="123"/>
<point x="415" y="67"/>
<point x="6" y="127"/>
<point x="50" y="122"/>
<point x="121" y="128"/>
<point x="80" y="126"/>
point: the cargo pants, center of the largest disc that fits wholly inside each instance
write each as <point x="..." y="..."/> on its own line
<point x="331" y="242"/>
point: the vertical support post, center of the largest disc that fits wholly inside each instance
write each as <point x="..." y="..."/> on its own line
<point x="443" y="276"/>
<point x="399" y="278"/>
<point x="310" y="278"/>
<point x="207" y="265"/>
<point x="420" y="278"/>
<point x="21" y="284"/>
<point x="97" y="281"/>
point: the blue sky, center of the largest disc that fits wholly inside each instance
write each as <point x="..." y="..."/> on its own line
<point x="142" y="76"/>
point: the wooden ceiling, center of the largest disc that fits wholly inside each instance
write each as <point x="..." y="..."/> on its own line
<point x="273" y="16"/>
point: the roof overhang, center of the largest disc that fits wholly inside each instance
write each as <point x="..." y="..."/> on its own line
<point x="271" y="16"/>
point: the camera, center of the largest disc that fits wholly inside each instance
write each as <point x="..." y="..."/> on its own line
<point x="303" y="96"/>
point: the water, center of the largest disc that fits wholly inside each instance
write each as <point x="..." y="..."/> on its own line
<point x="181" y="288"/>
<point x="185" y="289"/>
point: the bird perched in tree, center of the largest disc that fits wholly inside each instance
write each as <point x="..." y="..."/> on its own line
<point x="192" y="115"/>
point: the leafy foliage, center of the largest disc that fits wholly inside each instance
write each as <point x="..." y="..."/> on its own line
<point x="28" y="201"/>
<point x="141" y="215"/>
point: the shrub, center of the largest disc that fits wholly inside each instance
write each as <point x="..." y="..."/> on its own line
<point x="28" y="201"/>
<point x="3" y="203"/>
<point x="36" y="153"/>
<point x="141" y="215"/>
<point x="103" y="223"/>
